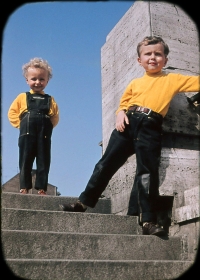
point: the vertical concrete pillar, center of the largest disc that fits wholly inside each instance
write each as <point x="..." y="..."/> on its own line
<point x="179" y="167"/>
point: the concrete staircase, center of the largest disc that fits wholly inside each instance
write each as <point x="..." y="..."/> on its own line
<point x="41" y="242"/>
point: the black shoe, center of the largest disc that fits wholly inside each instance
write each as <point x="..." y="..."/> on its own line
<point x="152" y="229"/>
<point x="75" y="207"/>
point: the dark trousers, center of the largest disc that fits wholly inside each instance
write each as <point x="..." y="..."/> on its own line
<point x="34" y="143"/>
<point x="141" y="137"/>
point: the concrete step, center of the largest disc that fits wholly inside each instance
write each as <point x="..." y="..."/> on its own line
<point x="18" y="244"/>
<point x="42" y="220"/>
<point x="68" y="269"/>
<point x="48" y="202"/>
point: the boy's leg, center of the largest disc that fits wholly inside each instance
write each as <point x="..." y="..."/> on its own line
<point x="133" y="207"/>
<point x="147" y="143"/>
<point x="148" y="150"/>
<point x="27" y="150"/>
<point x="27" y="147"/>
<point x="117" y="152"/>
<point x="43" y="156"/>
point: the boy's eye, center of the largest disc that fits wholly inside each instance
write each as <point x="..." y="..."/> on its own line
<point x="34" y="79"/>
<point x="157" y="54"/>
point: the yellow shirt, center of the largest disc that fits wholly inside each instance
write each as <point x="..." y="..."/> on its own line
<point x="155" y="91"/>
<point x="19" y="106"/>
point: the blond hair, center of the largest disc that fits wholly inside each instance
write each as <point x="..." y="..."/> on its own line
<point x="153" y="40"/>
<point x="37" y="63"/>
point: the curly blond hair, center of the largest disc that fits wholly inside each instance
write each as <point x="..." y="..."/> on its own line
<point x="37" y="62"/>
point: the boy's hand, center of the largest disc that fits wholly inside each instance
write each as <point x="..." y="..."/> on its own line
<point x="121" y="119"/>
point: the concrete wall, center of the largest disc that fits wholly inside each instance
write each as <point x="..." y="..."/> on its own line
<point x="179" y="166"/>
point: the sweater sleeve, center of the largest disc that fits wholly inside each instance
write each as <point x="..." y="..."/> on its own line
<point x="188" y="83"/>
<point x="54" y="112"/>
<point x="15" y="110"/>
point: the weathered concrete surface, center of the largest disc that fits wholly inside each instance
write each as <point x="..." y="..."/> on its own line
<point x="189" y="231"/>
<point x="46" y="244"/>
<point x="83" y="246"/>
<point x="186" y="223"/>
<point x="54" y="221"/>
<point x="48" y="202"/>
<point x="191" y="196"/>
<point x="179" y="171"/>
<point x="95" y="270"/>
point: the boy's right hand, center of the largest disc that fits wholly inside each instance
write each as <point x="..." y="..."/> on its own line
<point x="121" y="119"/>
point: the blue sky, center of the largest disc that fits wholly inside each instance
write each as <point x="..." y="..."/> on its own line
<point x="69" y="35"/>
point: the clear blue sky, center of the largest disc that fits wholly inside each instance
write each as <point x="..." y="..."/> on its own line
<point x="69" y="35"/>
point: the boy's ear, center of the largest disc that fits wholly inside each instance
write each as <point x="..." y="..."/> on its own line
<point x="139" y="60"/>
<point x="166" y="59"/>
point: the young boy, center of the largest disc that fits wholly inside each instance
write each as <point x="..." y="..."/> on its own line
<point x="142" y="107"/>
<point x="35" y="114"/>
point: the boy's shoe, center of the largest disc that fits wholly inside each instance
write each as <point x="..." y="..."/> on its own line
<point x="75" y="207"/>
<point x="24" y="191"/>
<point x="42" y="192"/>
<point x="152" y="229"/>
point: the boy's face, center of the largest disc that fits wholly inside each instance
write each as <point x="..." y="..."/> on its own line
<point x="37" y="78"/>
<point x="152" y="58"/>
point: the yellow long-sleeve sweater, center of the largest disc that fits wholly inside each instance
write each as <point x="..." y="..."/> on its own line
<point x="19" y="106"/>
<point x="155" y="91"/>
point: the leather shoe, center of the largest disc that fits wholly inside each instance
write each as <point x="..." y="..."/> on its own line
<point x="75" y="207"/>
<point x="152" y="229"/>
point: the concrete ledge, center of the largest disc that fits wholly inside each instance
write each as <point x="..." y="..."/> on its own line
<point x="95" y="270"/>
<point x="186" y="213"/>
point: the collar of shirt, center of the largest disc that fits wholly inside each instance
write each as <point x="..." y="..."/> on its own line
<point x="32" y="92"/>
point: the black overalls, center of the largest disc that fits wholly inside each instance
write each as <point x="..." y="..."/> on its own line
<point x="35" y="141"/>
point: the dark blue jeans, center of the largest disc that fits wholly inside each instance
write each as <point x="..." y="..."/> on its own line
<point x="141" y="137"/>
